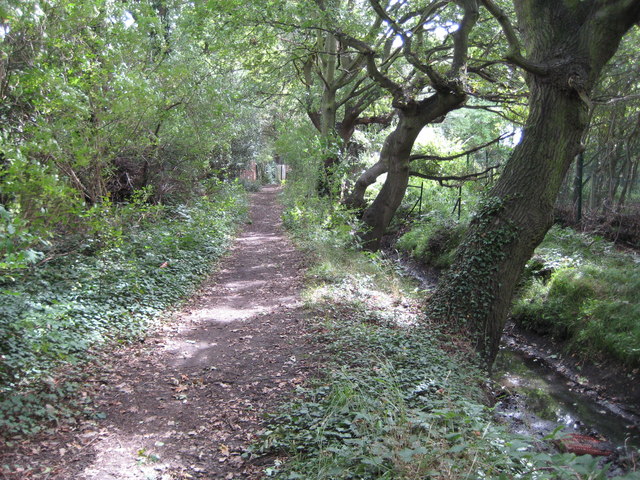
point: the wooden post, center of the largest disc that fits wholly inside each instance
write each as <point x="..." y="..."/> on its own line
<point x="577" y="192"/>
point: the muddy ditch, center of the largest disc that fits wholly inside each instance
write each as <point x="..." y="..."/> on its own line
<point x="538" y="389"/>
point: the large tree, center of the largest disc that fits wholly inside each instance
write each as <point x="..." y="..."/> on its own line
<point x="337" y="90"/>
<point x="431" y="84"/>
<point x="563" y="47"/>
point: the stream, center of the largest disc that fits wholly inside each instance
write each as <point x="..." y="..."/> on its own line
<point x="537" y="392"/>
<point x="534" y="399"/>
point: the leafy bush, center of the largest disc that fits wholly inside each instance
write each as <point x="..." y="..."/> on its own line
<point x="108" y="291"/>
<point x="318" y="222"/>
<point x="16" y="242"/>
<point x="250" y="185"/>
<point x="434" y="241"/>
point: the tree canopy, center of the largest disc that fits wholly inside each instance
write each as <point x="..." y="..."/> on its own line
<point x="107" y="101"/>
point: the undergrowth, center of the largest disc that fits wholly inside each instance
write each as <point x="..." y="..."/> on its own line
<point x="109" y="290"/>
<point x="398" y="399"/>
<point x="581" y="289"/>
<point x="577" y="288"/>
<point x="434" y="241"/>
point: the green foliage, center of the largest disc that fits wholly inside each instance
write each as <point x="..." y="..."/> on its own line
<point x="300" y="148"/>
<point x="144" y="259"/>
<point x="395" y="401"/>
<point x="15" y="243"/>
<point x="459" y="132"/>
<point x="318" y="222"/>
<point x="433" y="241"/>
<point x="37" y="203"/>
<point x="250" y="186"/>
<point x="581" y="289"/>
<point x="102" y="99"/>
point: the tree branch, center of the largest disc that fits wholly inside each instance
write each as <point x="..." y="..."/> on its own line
<point x="458" y="155"/>
<point x="372" y="69"/>
<point x="613" y="100"/>
<point x="381" y="12"/>
<point x="515" y="49"/>
<point x="438" y="82"/>
<point x="461" y="36"/>
<point x="455" y="178"/>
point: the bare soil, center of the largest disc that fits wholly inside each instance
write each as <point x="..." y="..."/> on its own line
<point x="186" y="402"/>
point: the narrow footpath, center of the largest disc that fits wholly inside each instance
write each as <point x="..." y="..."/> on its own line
<point x="186" y="402"/>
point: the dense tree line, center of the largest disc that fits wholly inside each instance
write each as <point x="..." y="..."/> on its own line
<point x="103" y="99"/>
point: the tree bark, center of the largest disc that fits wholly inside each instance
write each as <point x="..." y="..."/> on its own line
<point x="571" y="42"/>
<point x="396" y="156"/>
<point x="413" y="114"/>
<point x="475" y="294"/>
<point x="355" y="200"/>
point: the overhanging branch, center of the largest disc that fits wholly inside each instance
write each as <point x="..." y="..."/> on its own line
<point x="439" y="158"/>
<point x="372" y="69"/>
<point x="441" y="179"/>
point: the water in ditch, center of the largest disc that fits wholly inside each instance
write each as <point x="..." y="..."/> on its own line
<point x="535" y="399"/>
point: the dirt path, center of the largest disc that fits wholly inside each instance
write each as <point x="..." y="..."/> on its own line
<point x="185" y="403"/>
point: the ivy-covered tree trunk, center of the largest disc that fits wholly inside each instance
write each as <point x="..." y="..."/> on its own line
<point x="570" y="43"/>
<point x="476" y="293"/>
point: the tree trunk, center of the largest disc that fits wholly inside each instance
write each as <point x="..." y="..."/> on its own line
<point x="475" y="294"/>
<point x="355" y="200"/>
<point x="396" y="154"/>
<point x="630" y="178"/>
<point x="570" y="43"/>
<point x="330" y="142"/>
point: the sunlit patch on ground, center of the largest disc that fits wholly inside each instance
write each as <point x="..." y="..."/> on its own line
<point x="185" y="402"/>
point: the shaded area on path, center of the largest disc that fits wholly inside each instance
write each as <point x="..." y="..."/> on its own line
<point x="186" y="402"/>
